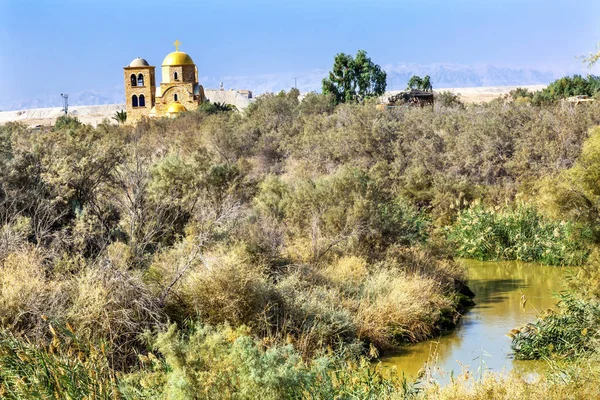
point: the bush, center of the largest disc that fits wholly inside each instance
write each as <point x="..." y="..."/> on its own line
<point x="517" y="233"/>
<point x="574" y="192"/>
<point x="223" y="363"/>
<point x="446" y="98"/>
<point x="570" y="333"/>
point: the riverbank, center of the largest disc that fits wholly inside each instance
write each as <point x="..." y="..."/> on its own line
<point x="508" y="294"/>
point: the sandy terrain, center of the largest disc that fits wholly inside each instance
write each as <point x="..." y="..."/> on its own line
<point x="46" y="116"/>
<point x="487" y="93"/>
<point x="95" y="114"/>
<point x="481" y="94"/>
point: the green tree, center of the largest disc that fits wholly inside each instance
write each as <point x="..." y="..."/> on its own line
<point x="120" y="116"/>
<point x="416" y="82"/>
<point x="214" y="108"/>
<point x="592" y="58"/>
<point x="354" y="79"/>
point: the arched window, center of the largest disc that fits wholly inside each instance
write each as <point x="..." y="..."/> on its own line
<point x="175" y="97"/>
<point x="133" y="80"/>
<point x="175" y="75"/>
<point x="140" y="80"/>
<point x="142" y="101"/>
<point x="134" y="101"/>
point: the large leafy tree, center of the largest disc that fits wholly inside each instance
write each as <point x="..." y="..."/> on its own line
<point x="354" y="79"/>
<point x="416" y="82"/>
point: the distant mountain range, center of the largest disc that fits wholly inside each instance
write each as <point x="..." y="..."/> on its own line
<point x="458" y="75"/>
<point x="443" y="75"/>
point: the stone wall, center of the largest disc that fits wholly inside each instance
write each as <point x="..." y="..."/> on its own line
<point x="148" y="91"/>
<point x="240" y="100"/>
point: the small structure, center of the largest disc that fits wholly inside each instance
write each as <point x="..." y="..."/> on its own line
<point x="580" y="99"/>
<point x="411" y="97"/>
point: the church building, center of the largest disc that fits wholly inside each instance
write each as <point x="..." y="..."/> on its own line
<point x="179" y="89"/>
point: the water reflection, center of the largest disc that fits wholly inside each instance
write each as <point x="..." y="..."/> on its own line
<point x="480" y="342"/>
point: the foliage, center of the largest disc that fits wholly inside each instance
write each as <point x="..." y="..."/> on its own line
<point x="566" y="87"/>
<point x="570" y="333"/>
<point x="446" y="98"/>
<point x="66" y="367"/>
<point x="215" y="108"/>
<point x="66" y="122"/>
<point x="518" y="233"/>
<point x="563" y="381"/>
<point x="574" y="192"/>
<point x="120" y="116"/>
<point x="210" y="363"/>
<point x="418" y="83"/>
<point x="354" y="79"/>
<point x="593" y="58"/>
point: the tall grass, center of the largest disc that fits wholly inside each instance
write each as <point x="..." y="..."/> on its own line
<point x="571" y="333"/>
<point x="517" y="233"/>
<point x="66" y="367"/>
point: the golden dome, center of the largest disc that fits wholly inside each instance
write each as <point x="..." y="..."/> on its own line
<point x="177" y="58"/>
<point x="176" y="107"/>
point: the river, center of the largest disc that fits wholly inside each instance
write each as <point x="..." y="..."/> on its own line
<point x="479" y="342"/>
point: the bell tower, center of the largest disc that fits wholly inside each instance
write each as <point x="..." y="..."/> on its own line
<point x="140" y="88"/>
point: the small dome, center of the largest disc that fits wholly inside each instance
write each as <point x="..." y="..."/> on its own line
<point x="176" y="107"/>
<point x="139" y="62"/>
<point x="177" y="58"/>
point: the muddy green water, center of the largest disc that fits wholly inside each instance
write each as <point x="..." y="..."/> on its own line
<point x="479" y="342"/>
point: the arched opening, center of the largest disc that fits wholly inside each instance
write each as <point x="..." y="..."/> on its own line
<point x="133" y="80"/>
<point x="175" y="97"/>
<point x="175" y="75"/>
<point x="140" y="80"/>
<point x="134" y="101"/>
<point x="142" y="101"/>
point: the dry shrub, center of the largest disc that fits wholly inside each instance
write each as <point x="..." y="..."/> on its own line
<point x="424" y="262"/>
<point x="119" y="256"/>
<point x="14" y="235"/>
<point x="314" y="316"/>
<point x="578" y="381"/>
<point x="217" y="287"/>
<point x="25" y="293"/>
<point x="398" y="307"/>
<point x="347" y="272"/>
<point x="227" y="290"/>
<point x="108" y="305"/>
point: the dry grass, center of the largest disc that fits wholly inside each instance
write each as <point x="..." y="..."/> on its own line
<point x="399" y="307"/>
<point x="26" y="294"/>
<point x="107" y="305"/>
<point x="579" y="382"/>
<point x="217" y="287"/>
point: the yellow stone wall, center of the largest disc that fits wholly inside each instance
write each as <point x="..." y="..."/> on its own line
<point x="183" y="87"/>
<point x="185" y="73"/>
<point x="148" y="90"/>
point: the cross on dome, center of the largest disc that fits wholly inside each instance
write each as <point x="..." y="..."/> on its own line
<point x="177" y="43"/>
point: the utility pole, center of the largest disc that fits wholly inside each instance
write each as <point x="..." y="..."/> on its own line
<point x="65" y="98"/>
<point x="295" y="83"/>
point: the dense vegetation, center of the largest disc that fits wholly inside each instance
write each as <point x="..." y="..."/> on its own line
<point x="517" y="233"/>
<point x="560" y="89"/>
<point x="264" y="253"/>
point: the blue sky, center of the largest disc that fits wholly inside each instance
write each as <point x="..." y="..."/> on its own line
<point x="49" y="46"/>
